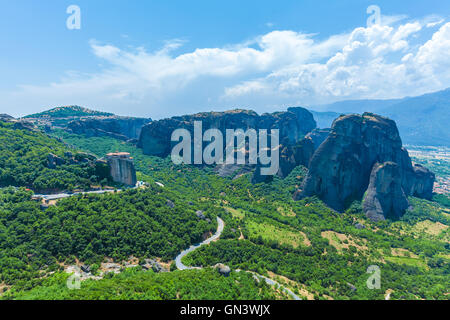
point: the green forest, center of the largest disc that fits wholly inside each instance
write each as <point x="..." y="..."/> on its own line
<point x="309" y="248"/>
<point x="24" y="162"/>
<point x="133" y="284"/>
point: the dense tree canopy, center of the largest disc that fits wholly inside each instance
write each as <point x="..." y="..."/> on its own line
<point x="24" y="162"/>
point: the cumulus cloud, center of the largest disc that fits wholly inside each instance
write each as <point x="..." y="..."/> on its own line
<point x="275" y="69"/>
<point x="376" y="62"/>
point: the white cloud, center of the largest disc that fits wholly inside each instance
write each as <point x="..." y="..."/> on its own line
<point x="275" y="69"/>
<point x="368" y="66"/>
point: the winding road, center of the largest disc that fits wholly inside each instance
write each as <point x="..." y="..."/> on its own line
<point x="50" y="197"/>
<point x="216" y="236"/>
<point x="180" y="265"/>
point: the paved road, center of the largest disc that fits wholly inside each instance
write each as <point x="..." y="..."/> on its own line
<point x="273" y="283"/>
<point x="58" y="196"/>
<point x="220" y="226"/>
<point x="63" y="195"/>
<point x="180" y="265"/>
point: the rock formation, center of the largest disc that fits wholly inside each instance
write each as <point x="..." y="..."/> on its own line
<point x="223" y="269"/>
<point x="385" y="197"/>
<point x="294" y="124"/>
<point x="53" y="161"/>
<point x="170" y="204"/>
<point x="318" y="136"/>
<point x="122" y="168"/>
<point x="298" y="154"/>
<point x="341" y="167"/>
<point x="123" y="128"/>
<point x="423" y="182"/>
<point x="81" y="120"/>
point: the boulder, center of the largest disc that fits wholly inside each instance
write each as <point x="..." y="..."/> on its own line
<point x="360" y="226"/>
<point x="86" y="268"/>
<point x="200" y="215"/>
<point x="170" y="204"/>
<point x="385" y="197"/>
<point x="223" y="269"/>
<point x="53" y="161"/>
<point x="153" y="265"/>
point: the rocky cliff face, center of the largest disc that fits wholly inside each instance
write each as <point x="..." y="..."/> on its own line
<point x="341" y="167"/>
<point x="318" y="136"/>
<point x="123" y="128"/>
<point x="122" y="168"/>
<point x="385" y="197"/>
<point x="293" y="125"/>
<point x="81" y="120"/>
<point x="155" y="138"/>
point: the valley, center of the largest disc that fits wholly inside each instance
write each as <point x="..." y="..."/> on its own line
<point x="310" y="249"/>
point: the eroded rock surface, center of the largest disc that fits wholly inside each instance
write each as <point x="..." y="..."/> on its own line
<point x="123" y="128"/>
<point x="122" y="168"/>
<point x="341" y="168"/>
<point x="294" y="124"/>
<point x="318" y="136"/>
<point x="385" y="197"/>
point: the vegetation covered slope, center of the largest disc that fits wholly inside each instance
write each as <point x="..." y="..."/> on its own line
<point x="24" y="162"/>
<point x="316" y="252"/>
<point x="68" y="111"/>
<point x="90" y="228"/>
<point x="205" y="284"/>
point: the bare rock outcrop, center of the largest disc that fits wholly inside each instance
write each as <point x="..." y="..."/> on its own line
<point x="294" y="124"/>
<point x="341" y="167"/>
<point x="318" y="136"/>
<point x="122" y="128"/>
<point x="122" y="168"/>
<point x="53" y="161"/>
<point x="223" y="269"/>
<point x="423" y="182"/>
<point x="385" y="197"/>
<point x="293" y="155"/>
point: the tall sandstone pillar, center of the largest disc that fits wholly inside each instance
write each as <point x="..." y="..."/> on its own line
<point x="122" y="168"/>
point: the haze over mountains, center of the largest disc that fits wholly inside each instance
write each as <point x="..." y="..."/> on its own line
<point x="421" y="120"/>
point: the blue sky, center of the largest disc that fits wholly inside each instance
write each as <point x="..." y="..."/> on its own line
<point x="162" y="58"/>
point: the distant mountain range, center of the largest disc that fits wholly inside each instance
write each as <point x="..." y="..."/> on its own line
<point x="422" y="120"/>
